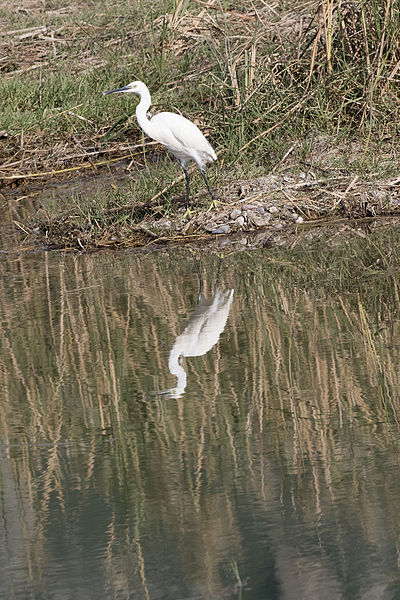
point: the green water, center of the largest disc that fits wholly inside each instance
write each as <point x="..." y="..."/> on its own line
<point x="263" y="465"/>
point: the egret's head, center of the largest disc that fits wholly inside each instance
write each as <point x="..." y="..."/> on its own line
<point x="135" y="87"/>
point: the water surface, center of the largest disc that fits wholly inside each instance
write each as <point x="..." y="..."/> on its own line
<point x="264" y="464"/>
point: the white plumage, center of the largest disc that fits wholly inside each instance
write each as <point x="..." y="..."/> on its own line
<point x="201" y="333"/>
<point x="179" y="135"/>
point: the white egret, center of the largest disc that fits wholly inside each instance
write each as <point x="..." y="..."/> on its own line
<point x="202" y="332"/>
<point x="179" y="135"/>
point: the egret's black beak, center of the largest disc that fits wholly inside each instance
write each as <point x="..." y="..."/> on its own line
<point x="126" y="88"/>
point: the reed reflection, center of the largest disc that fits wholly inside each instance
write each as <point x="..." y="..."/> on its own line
<point x="281" y="470"/>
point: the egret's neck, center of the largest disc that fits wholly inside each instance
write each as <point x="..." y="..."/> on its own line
<point x="141" y="110"/>
<point x="176" y="369"/>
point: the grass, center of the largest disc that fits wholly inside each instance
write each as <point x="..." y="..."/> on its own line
<point x="257" y="81"/>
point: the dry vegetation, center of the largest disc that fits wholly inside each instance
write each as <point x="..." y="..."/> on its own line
<point x="306" y="90"/>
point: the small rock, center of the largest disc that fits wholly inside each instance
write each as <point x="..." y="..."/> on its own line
<point x="260" y="239"/>
<point x="299" y="220"/>
<point x="240" y="221"/>
<point x="256" y="220"/>
<point x="378" y="195"/>
<point x="166" y="224"/>
<point x="235" y="213"/>
<point x="210" y="227"/>
<point x="273" y="210"/>
<point x="222" y="229"/>
<point x="278" y="226"/>
<point x="295" y="216"/>
<point x="285" y="213"/>
<point x="261" y="210"/>
<point x="288" y="179"/>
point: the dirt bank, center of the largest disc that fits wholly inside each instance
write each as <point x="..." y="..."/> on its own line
<point x="63" y="213"/>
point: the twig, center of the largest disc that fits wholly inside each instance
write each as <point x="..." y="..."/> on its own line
<point x="24" y="30"/>
<point x="227" y="13"/>
<point x="20" y="226"/>
<point x="131" y="206"/>
<point x="284" y="157"/>
<point x="80" y="117"/>
<point x="342" y="197"/>
<point x="307" y="184"/>
<point x="145" y="230"/>
<point x="91" y="166"/>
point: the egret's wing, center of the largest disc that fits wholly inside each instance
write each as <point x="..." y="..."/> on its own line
<point x="180" y="135"/>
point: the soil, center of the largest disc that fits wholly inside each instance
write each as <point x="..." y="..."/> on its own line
<point x="252" y="213"/>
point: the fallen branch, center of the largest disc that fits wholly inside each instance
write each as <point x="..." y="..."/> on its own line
<point x="69" y="169"/>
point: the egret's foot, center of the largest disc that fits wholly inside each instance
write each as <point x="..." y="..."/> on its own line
<point x="160" y="394"/>
<point x="213" y="204"/>
<point x="188" y="214"/>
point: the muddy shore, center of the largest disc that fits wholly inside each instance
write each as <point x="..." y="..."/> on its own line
<point x="248" y="213"/>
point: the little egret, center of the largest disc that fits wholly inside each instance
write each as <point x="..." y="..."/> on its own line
<point x="201" y="333"/>
<point x="179" y="135"/>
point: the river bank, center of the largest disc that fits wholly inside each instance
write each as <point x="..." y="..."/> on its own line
<point x="299" y="100"/>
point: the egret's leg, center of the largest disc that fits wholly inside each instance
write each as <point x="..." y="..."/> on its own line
<point x="206" y="182"/>
<point x="187" y="185"/>
<point x="214" y="201"/>
<point x="188" y="211"/>
<point x="198" y="271"/>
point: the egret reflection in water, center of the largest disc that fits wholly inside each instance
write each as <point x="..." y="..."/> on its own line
<point x="201" y="333"/>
